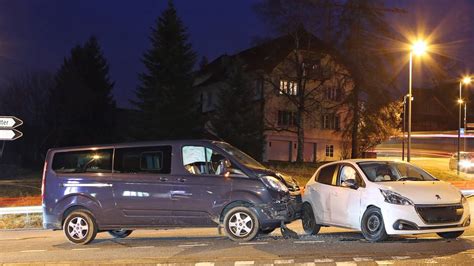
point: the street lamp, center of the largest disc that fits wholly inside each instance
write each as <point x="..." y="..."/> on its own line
<point x="466" y="81"/>
<point x="418" y="48"/>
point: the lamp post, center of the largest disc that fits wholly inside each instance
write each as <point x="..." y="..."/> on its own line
<point x="465" y="81"/>
<point x="418" y="48"/>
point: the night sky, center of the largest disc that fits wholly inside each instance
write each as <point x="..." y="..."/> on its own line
<point x="38" y="34"/>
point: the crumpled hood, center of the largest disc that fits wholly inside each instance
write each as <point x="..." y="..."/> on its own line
<point x="288" y="181"/>
<point x="424" y="192"/>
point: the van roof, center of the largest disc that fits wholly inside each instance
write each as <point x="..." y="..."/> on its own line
<point x="135" y="144"/>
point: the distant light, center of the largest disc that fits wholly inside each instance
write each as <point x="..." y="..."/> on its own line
<point x="419" y="47"/>
<point x="460" y="101"/>
<point x="467" y="80"/>
<point x="96" y="157"/>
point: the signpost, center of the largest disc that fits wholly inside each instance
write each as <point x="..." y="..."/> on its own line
<point x="7" y="128"/>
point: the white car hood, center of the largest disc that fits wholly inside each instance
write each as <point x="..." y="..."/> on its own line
<point x="424" y="192"/>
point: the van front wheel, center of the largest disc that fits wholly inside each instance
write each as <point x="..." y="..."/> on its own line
<point x="120" y="233"/>
<point x="80" y="227"/>
<point x="241" y="224"/>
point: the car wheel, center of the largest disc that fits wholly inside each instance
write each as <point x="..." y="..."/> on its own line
<point x="373" y="227"/>
<point x="451" y="235"/>
<point x="241" y="224"/>
<point x="266" y="231"/>
<point x="80" y="227"/>
<point x="309" y="221"/>
<point x="120" y="233"/>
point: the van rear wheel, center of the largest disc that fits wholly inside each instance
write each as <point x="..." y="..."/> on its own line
<point x="120" y="233"/>
<point x="241" y="224"/>
<point x="80" y="227"/>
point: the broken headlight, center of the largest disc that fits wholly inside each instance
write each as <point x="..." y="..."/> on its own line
<point x="273" y="183"/>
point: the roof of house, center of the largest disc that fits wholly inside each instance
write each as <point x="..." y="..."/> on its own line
<point x="265" y="56"/>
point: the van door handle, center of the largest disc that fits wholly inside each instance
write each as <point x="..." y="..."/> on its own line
<point x="163" y="179"/>
<point x="182" y="179"/>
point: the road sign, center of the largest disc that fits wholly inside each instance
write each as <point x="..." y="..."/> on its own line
<point x="9" y="122"/>
<point x="10" y="134"/>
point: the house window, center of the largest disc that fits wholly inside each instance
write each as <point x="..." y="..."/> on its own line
<point x="288" y="87"/>
<point x="329" y="150"/>
<point x="331" y="121"/>
<point x="287" y="118"/>
<point x="333" y="93"/>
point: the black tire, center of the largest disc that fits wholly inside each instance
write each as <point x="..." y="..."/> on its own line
<point x="308" y="220"/>
<point x="120" y="233"/>
<point x="80" y="227"/>
<point x="450" y="235"/>
<point x="241" y="224"/>
<point x="373" y="227"/>
<point x="266" y="231"/>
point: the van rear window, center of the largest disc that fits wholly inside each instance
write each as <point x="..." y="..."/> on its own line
<point x="87" y="161"/>
<point x="155" y="159"/>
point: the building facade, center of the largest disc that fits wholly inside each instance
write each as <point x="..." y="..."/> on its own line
<point x="289" y="82"/>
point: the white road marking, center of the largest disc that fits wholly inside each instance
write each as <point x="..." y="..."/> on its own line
<point x="284" y="261"/>
<point x="193" y="245"/>
<point x="323" y="260"/>
<point x="253" y="243"/>
<point x="204" y="264"/>
<point x="83" y="249"/>
<point x="385" y="262"/>
<point x="33" y="250"/>
<point x="144" y="247"/>
<point x="345" y="263"/>
<point x="360" y="259"/>
<point x="244" y="262"/>
<point x="430" y="261"/>
<point x="467" y="237"/>
<point x="400" y="257"/>
<point x="308" y="242"/>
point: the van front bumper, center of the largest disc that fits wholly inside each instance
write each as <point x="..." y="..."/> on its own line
<point x="272" y="214"/>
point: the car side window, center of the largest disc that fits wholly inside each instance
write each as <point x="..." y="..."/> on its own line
<point x="87" y="161"/>
<point x="326" y="175"/>
<point x="199" y="160"/>
<point x="348" y="172"/>
<point x="156" y="159"/>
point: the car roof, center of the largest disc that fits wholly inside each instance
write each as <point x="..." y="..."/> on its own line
<point x="367" y="160"/>
<point x="138" y="143"/>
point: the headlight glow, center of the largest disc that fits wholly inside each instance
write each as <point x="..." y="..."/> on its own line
<point x="273" y="183"/>
<point x="466" y="163"/>
<point x="395" y="198"/>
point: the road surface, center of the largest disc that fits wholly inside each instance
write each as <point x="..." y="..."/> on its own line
<point x="206" y="247"/>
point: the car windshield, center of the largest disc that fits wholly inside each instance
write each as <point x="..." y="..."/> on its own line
<point x="394" y="171"/>
<point x="239" y="155"/>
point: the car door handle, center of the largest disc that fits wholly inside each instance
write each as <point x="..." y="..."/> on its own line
<point x="182" y="179"/>
<point x="163" y="179"/>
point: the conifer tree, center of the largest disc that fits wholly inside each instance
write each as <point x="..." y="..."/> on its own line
<point x="168" y="106"/>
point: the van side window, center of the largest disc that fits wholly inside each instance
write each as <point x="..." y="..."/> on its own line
<point x="155" y="159"/>
<point x="87" y="161"/>
<point x="326" y="175"/>
<point x="200" y="160"/>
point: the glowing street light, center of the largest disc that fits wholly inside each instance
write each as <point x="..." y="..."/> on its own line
<point x="418" y="48"/>
<point x="466" y="81"/>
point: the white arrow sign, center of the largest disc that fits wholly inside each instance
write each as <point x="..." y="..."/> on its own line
<point x="10" y="122"/>
<point x="10" y="134"/>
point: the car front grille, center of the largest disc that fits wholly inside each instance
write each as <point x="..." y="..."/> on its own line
<point x="437" y="214"/>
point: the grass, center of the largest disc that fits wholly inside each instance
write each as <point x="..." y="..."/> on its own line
<point x="20" y="188"/>
<point x="301" y="172"/>
<point x="19" y="221"/>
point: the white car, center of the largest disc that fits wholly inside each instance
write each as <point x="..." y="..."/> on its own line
<point x="382" y="198"/>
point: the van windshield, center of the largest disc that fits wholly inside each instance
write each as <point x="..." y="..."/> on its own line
<point x="239" y="155"/>
<point x="394" y="171"/>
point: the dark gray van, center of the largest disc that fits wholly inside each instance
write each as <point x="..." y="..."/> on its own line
<point x="187" y="183"/>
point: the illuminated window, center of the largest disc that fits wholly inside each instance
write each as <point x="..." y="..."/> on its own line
<point x="330" y="150"/>
<point x="288" y="87"/>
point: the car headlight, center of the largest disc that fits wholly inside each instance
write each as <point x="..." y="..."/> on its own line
<point x="465" y="163"/>
<point x="273" y="183"/>
<point x="395" y="198"/>
<point x="463" y="199"/>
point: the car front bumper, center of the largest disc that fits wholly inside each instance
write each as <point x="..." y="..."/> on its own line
<point x="405" y="219"/>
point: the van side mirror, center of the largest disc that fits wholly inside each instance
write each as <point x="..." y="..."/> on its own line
<point x="351" y="183"/>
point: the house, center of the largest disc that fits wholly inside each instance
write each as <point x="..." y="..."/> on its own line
<point x="320" y="79"/>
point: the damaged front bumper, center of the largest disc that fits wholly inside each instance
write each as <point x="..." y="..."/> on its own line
<point x="273" y="213"/>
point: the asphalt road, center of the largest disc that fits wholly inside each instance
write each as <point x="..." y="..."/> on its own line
<point x="207" y="247"/>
